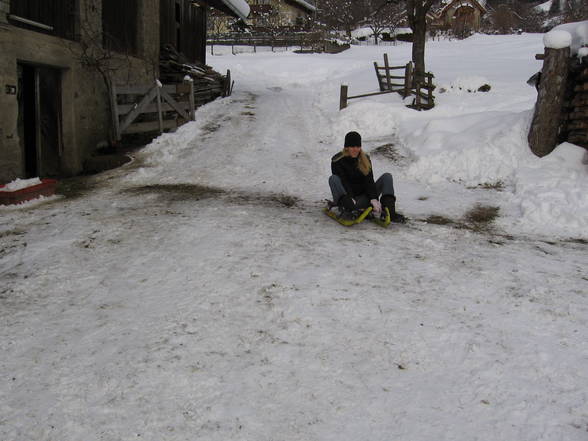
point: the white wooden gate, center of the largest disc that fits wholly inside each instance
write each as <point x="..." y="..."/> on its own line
<point x="140" y="109"/>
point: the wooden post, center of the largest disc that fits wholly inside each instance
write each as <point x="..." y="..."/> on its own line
<point x="407" y="79"/>
<point x="227" y="91"/>
<point x="159" y="113"/>
<point x="418" y="95"/>
<point x="546" y="123"/>
<point x="114" y="111"/>
<point x="387" y="70"/>
<point x="430" y="97"/>
<point x="343" y="97"/>
<point x="191" y="101"/>
<point x="380" y="84"/>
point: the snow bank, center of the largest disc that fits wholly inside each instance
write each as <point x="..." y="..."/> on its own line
<point x="19" y="184"/>
<point x="549" y="194"/>
<point x="368" y="32"/>
<point x="574" y="35"/>
<point x="472" y="149"/>
<point x="554" y="190"/>
<point x="374" y="120"/>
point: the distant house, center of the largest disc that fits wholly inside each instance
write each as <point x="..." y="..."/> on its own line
<point x="53" y="64"/>
<point x="458" y="16"/>
<point x="280" y="14"/>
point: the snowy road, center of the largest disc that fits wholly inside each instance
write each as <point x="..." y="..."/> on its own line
<point x="199" y="294"/>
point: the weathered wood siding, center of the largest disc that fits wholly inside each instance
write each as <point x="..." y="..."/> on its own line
<point x="183" y="25"/>
<point x="119" y="25"/>
<point x="58" y="15"/>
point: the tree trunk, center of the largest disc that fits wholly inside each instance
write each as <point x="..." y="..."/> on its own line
<point x="419" y="32"/>
<point x="547" y="120"/>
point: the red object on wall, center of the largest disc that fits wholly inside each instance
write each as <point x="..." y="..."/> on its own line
<point x="45" y="188"/>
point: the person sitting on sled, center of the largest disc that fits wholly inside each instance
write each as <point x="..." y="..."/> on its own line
<point x="353" y="187"/>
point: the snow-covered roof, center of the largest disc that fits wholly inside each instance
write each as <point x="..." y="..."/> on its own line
<point x="239" y="7"/>
<point x="306" y="5"/>
<point x="446" y="4"/>
<point x="543" y="7"/>
<point x="236" y="8"/>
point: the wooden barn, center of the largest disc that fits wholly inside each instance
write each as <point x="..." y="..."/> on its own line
<point x="461" y="17"/>
<point x="280" y="13"/>
<point x="59" y="60"/>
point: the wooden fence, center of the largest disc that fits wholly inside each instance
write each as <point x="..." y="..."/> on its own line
<point x="390" y="81"/>
<point x="291" y="39"/>
<point x="139" y="109"/>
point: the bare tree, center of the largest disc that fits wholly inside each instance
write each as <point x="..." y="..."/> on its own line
<point x="383" y="16"/>
<point x="575" y="10"/>
<point x="416" y="13"/>
<point x="216" y="24"/>
<point x="342" y="14"/>
<point x="504" y="19"/>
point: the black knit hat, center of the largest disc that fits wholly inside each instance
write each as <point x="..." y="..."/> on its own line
<point x="352" y="139"/>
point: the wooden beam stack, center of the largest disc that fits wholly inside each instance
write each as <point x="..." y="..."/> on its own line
<point x="208" y="84"/>
<point x="577" y="118"/>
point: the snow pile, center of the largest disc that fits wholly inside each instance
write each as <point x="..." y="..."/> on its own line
<point x="471" y="149"/>
<point x="466" y="84"/>
<point x="19" y="184"/>
<point x="366" y="32"/>
<point x="574" y="35"/>
<point x="547" y="194"/>
<point x="554" y="188"/>
<point x="557" y="39"/>
<point x="373" y="119"/>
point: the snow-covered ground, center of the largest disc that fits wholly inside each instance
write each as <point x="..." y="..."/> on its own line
<point x="198" y="293"/>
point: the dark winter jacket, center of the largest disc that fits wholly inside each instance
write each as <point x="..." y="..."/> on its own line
<point x="354" y="181"/>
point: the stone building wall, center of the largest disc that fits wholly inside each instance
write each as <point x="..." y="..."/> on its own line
<point x="85" y="110"/>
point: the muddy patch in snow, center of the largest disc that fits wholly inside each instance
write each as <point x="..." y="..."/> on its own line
<point x="272" y="199"/>
<point x="177" y="192"/>
<point x="77" y="187"/>
<point x="391" y="152"/>
<point x="192" y="192"/>
<point x="498" y="186"/>
<point x="479" y="218"/>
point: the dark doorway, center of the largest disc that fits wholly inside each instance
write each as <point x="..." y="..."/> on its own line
<point x="39" y="119"/>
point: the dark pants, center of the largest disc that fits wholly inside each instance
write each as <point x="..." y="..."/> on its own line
<point x="384" y="186"/>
